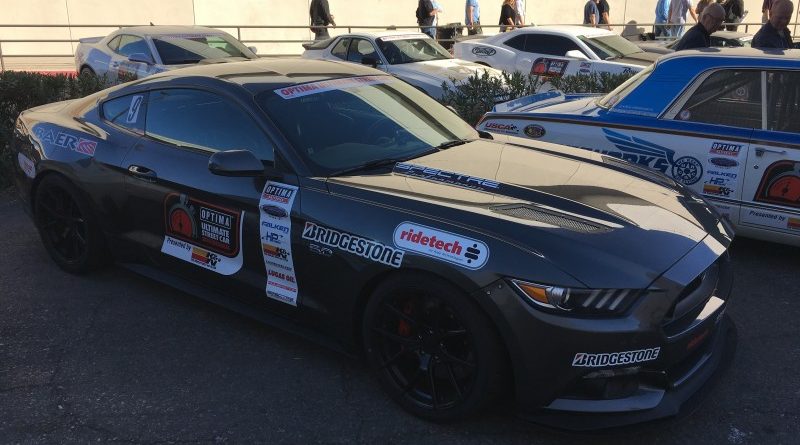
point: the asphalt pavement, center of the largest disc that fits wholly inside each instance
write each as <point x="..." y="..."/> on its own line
<point x="114" y="357"/>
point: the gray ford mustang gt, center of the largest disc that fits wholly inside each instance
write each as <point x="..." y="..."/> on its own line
<point x="343" y="204"/>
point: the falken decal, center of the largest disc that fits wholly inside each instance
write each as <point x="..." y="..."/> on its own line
<point x="359" y="246"/>
<point x="445" y="246"/>
<point x="482" y="51"/>
<point x="446" y="177"/>
<point x="276" y="241"/>
<point x="687" y="170"/>
<point x="27" y="166"/>
<point x="203" y="234"/>
<point x="307" y="89"/>
<point x="586" y="360"/>
<point x="65" y="140"/>
<point x="780" y="184"/>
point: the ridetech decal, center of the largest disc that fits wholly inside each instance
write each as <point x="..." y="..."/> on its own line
<point x="722" y="148"/>
<point x="586" y="360"/>
<point x="276" y="240"/>
<point x="780" y="184"/>
<point x="686" y="170"/>
<point x="202" y="234"/>
<point x="436" y="175"/>
<point x="66" y="140"/>
<point x="363" y="247"/>
<point x="445" y="246"/>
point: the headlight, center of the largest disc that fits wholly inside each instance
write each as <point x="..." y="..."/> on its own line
<point x="578" y="301"/>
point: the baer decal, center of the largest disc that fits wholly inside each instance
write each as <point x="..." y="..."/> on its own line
<point x="363" y="247"/>
<point x="275" y="207"/>
<point x="445" y="246"/>
<point x="687" y="170"/>
<point x="27" y="166"/>
<point x="780" y="184"/>
<point x="446" y="177"/>
<point x="203" y="234"/>
<point x="65" y="140"/>
<point x="547" y="67"/>
<point x="586" y="360"/>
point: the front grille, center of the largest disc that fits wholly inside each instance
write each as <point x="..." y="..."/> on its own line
<point x="548" y="217"/>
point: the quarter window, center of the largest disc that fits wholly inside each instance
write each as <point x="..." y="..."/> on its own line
<point x="127" y="111"/>
<point x="114" y="43"/>
<point x="203" y="120"/>
<point x="340" y="49"/>
<point x="726" y="97"/>
<point x="517" y="42"/>
<point x="130" y="45"/>
<point x="783" y="101"/>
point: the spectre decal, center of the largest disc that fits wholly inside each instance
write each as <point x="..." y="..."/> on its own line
<point x="445" y="246"/>
<point x="203" y="234"/>
<point x="780" y="184"/>
<point x="446" y="177"/>
<point x="276" y="204"/>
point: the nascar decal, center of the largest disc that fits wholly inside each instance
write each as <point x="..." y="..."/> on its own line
<point x="276" y="241"/>
<point x="436" y="175"/>
<point x="780" y="184"/>
<point x="65" y="140"/>
<point x="306" y="89"/>
<point x="445" y="246"/>
<point x="133" y="109"/>
<point x="203" y="234"/>
<point x="763" y="217"/>
<point x="687" y="170"/>
<point x="502" y="127"/>
<point x="586" y="360"/>
<point x="544" y="66"/>
<point x="27" y="166"/>
<point x="363" y="247"/>
<point x="725" y="149"/>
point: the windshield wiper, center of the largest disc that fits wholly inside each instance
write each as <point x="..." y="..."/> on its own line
<point x="455" y="142"/>
<point x="369" y="165"/>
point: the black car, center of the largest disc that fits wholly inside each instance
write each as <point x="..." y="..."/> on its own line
<point x="337" y="202"/>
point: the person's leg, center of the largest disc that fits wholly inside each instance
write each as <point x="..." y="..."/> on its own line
<point x="322" y="34"/>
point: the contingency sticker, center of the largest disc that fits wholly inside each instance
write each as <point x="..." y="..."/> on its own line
<point x="307" y="89"/>
<point x="27" y="166"/>
<point x="65" y="140"/>
<point x="445" y="246"/>
<point x="203" y="234"/>
<point x="360" y="246"/>
<point x="762" y="217"/>
<point x="276" y="241"/>
<point x="586" y="360"/>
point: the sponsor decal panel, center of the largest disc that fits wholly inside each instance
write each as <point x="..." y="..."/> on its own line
<point x="717" y="190"/>
<point x="27" y="166"/>
<point x="548" y="67"/>
<point x="725" y="149"/>
<point x="275" y="230"/>
<point x="446" y="177"/>
<point x="502" y="127"/>
<point x="295" y="91"/>
<point x="445" y="246"/>
<point x="723" y="163"/>
<point x="587" y="360"/>
<point x="203" y="234"/>
<point x="780" y="184"/>
<point x="65" y="140"/>
<point x="793" y="223"/>
<point x="484" y="51"/>
<point x="767" y="218"/>
<point x="357" y="245"/>
<point x="585" y="68"/>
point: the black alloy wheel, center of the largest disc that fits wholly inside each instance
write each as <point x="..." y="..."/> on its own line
<point x="432" y="349"/>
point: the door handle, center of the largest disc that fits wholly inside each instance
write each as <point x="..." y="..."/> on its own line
<point x="144" y="173"/>
<point x="761" y="150"/>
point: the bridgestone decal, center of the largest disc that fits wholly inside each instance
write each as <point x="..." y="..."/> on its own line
<point x="363" y="247"/>
<point x="276" y="241"/>
<point x="585" y="360"/>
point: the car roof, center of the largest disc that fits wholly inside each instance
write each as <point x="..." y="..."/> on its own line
<point x="573" y="30"/>
<point x="379" y="34"/>
<point x="169" y="30"/>
<point x="759" y="57"/>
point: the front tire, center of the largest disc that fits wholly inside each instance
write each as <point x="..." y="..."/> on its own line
<point x="432" y="349"/>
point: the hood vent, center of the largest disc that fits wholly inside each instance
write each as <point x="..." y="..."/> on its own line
<point x="548" y="217"/>
<point x="649" y="174"/>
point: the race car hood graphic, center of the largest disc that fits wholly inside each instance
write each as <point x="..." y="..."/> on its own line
<point x="605" y="227"/>
<point x="442" y="70"/>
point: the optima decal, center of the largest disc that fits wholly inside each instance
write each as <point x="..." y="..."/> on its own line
<point x="446" y="177"/>
<point x="445" y="246"/>
<point x="725" y="149"/>
<point x="276" y="241"/>
<point x="203" y="234"/>
<point x="307" y="89"/>
<point x="66" y="140"/>
<point x="363" y="247"/>
<point x="780" y="184"/>
<point x="586" y="360"/>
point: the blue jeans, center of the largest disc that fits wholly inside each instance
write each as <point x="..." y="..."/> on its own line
<point x="660" y="30"/>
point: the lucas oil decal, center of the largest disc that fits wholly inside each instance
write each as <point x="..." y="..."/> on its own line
<point x="585" y="360"/>
<point x="276" y="241"/>
<point x="445" y="246"/>
<point x="203" y="234"/>
<point x="65" y="140"/>
<point x="363" y="247"/>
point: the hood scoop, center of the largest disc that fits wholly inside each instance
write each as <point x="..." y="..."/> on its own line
<point x="561" y="220"/>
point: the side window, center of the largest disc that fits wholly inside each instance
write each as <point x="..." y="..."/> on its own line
<point x="550" y="45"/>
<point x="783" y="101"/>
<point x="517" y="42"/>
<point x="359" y="49"/>
<point x="130" y="45"/>
<point x="127" y="111"/>
<point x="340" y="49"/>
<point x="114" y="43"/>
<point x="199" y="119"/>
<point x="727" y="97"/>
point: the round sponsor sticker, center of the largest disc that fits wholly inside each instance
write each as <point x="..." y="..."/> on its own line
<point x="685" y="115"/>
<point x="687" y="170"/>
<point x="534" y="131"/>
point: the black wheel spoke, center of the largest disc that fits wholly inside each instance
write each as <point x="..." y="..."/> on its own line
<point x="454" y="333"/>
<point x="432" y="380"/>
<point x="407" y="341"/>
<point x="401" y="314"/>
<point x="453" y="381"/>
<point x="452" y="359"/>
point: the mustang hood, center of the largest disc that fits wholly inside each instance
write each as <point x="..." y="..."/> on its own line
<point x="605" y="227"/>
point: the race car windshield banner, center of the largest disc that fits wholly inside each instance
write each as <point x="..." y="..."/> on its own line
<point x="276" y="241"/>
<point x="306" y="89"/>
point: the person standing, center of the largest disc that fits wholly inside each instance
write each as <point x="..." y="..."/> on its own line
<point x="591" y="14"/>
<point x="605" y="10"/>
<point x="519" y="6"/>
<point x="425" y="17"/>
<point x="734" y="12"/>
<point x="321" y="17"/>
<point x="662" y="16"/>
<point x="437" y="8"/>
<point x="765" y="7"/>
<point x="699" y="35"/>
<point x="677" y="16"/>
<point x="508" y="16"/>
<point x="472" y="17"/>
<point x="775" y="33"/>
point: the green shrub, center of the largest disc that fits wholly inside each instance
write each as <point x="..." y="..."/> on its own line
<point x="21" y="90"/>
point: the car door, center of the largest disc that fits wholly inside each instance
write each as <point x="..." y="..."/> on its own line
<point x="772" y="176"/>
<point x="216" y="231"/>
<point x="545" y="54"/>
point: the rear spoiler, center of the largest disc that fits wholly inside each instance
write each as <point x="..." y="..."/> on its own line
<point x="318" y="44"/>
<point x="90" y="39"/>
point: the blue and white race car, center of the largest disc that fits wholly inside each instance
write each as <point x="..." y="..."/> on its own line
<point x="725" y="123"/>
<point x="139" y="51"/>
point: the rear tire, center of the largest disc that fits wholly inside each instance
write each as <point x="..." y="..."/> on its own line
<point x="432" y="349"/>
<point x="69" y="233"/>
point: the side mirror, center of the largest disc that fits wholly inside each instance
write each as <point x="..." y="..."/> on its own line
<point x="253" y="49"/>
<point x="235" y="163"/>
<point x="141" y="57"/>
<point x="371" y="61"/>
<point x="576" y="54"/>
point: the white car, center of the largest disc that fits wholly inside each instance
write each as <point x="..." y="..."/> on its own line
<point x="139" y="51"/>
<point x="413" y="57"/>
<point x="556" y="51"/>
